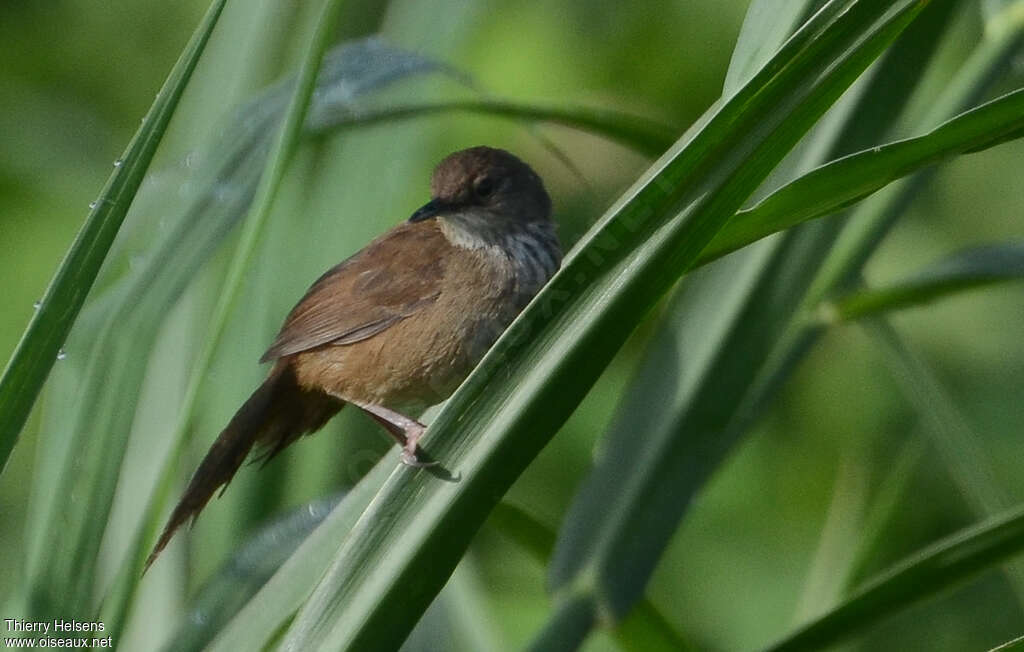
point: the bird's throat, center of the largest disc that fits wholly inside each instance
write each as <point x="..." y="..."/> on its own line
<point x="531" y="247"/>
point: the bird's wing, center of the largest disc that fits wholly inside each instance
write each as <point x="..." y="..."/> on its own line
<point x="390" y="279"/>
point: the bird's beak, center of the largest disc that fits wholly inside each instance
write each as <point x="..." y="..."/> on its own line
<point x="432" y="208"/>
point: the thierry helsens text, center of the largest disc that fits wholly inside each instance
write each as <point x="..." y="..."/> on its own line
<point x="56" y="625"/>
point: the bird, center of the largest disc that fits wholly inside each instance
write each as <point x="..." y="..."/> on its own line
<point x="396" y="327"/>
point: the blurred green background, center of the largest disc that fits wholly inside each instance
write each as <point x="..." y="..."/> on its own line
<point x="750" y="560"/>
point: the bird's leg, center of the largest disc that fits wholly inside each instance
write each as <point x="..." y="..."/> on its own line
<point x="406" y="431"/>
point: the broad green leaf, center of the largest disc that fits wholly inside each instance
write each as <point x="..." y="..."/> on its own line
<point x="924" y="574"/>
<point x="406" y="544"/>
<point x="460" y="618"/>
<point x="281" y="152"/>
<point x="719" y="333"/>
<point x="527" y="532"/>
<point x="274" y="605"/>
<point x="845" y="181"/>
<point x="874" y="217"/>
<point x="644" y="135"/>
<point x="767" y="24"/>
<point x="41" y="344"/>
<point x="963" y="270"/>
<point x="571" y="623"/>
<point x="871" y="221"/>
<point x="645" y="629"/>
<point x="869" y="224"/>
<point x="610" y="542"/>
<point x="947" y="428"/>
<point x="240" y="577"/>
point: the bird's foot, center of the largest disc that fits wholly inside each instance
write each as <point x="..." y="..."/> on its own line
<point x="409" y="450"/>
<point x="406" y="431"/>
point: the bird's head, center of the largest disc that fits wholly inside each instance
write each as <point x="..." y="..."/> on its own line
<point x="486" y="187"/>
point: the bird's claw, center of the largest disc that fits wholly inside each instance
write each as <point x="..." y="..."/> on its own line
<point x="409" y="458"/>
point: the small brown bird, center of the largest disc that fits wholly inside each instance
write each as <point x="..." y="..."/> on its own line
<point x="396" y="327"/>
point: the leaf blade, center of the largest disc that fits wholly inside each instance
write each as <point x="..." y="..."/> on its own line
<point x="937" y="567"/>
<point x="845" y="181"/>
<point x="962" y="270"/>
<point x="644" y="135"/>
<point x="719" y="339"/>
<point x="40" y="345"/>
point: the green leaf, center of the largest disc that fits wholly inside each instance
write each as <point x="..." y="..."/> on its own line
<point x="645" y="629"/>
<point x="527" y="532"/>
<point x="884" y="508"/>
<point x="644" y="135"/>
<point x="240" y="577"/>
<point x="40" y="346"/>
<point x="873" y="218"/>
<point x="281" y="152"/>
<point x="570" y="624"/>
<point x="463" y="615"/>
<point x="963" y="270"/>
<point x="838" y="184"/>
<point x="406" y="544"/>
<point x="947" y="428"/>
<point x="274" y="605"/>
<point x="1015" y="644"/>
<point x="824" y="583"/>
<point x="869" y="224"/>
<point x="767" y="24"/>
<point x="719" y="335"/>
<point x="924" y="574"/>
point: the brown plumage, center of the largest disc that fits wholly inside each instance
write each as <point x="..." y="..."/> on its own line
<point x="400" y="324"/>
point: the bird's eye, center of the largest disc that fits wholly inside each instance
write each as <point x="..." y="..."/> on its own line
<point x="484" y="188"/>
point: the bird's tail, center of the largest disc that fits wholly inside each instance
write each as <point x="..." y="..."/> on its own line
<point x="277" y="413"/>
